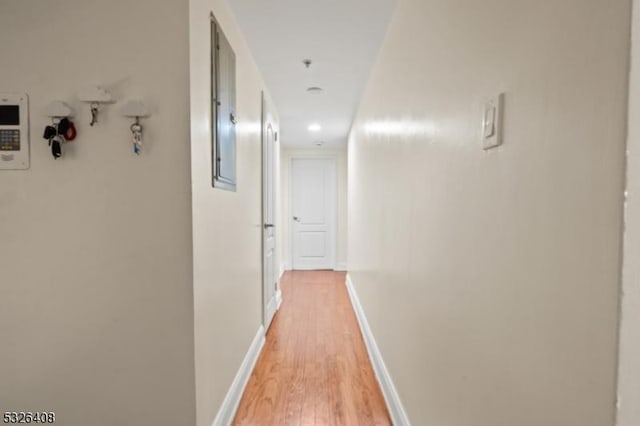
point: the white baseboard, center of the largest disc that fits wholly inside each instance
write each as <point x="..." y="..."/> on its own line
<point x="278" y="298"/>
<point x="283" y="268"/>
<point x="396" y="410"/>
<point x="232" y="400"/>
<point x="341" y="266"/>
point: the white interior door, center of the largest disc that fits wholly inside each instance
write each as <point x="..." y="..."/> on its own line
<point x="270" y="277"/>
<point x="313" y="211"/>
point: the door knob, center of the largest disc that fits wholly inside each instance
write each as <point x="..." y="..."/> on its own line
<point x="269" y="225"/>
<point x="296" y="218"/>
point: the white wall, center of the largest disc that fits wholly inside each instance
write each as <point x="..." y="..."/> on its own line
<point x="96" y="304"/>
<point x="491" y="279"/>
<point x="341" y="166"/>
<point x="227" y="237"/>
<point x="629" y="370"/>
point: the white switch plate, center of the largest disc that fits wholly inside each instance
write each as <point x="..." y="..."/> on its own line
<point x="492" y="122"/>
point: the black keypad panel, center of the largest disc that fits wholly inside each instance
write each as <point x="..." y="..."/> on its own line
<point x="9" y="140"/>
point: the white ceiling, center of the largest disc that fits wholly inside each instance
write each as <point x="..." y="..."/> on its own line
<point x="342" y="37"/>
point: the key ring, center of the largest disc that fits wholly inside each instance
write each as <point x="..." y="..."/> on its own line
<point x="94" y="113"/>
<point x="136" y="130"/>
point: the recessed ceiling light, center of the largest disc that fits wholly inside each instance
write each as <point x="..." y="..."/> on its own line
<point x="315" y="90"/>
<point x="314" y="127"/>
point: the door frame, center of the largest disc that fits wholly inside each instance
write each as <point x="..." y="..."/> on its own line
<point x="267" y="110"/>
<point x="628" y="386"/>
<point x="334" y="229"/>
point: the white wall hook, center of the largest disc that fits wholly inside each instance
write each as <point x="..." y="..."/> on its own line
<point x="95" y="95"/>
<point x="58" y="109"/>
<point x="135" y="109"/>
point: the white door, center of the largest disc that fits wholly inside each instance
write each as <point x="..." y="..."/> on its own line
<point x="270" y="278"/>
<point x="313" y="210"/>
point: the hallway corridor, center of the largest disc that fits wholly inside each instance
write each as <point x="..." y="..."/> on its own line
<point x="314" y="368"/>
<point x="471" y="169"/>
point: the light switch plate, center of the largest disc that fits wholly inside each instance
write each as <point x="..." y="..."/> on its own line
<point x="492" y="122"/>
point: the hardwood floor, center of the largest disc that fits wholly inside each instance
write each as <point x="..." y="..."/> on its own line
<point x="314" y="368"/>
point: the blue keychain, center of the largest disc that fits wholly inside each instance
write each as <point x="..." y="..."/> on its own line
<point x="136" y="130"/>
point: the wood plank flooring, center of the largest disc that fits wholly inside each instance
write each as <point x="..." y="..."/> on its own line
<point x="314" y="368"/>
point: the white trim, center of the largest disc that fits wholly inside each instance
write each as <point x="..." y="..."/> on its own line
<point x="283" y="268"/>
<point x="270" y="311"/>
<point x="232" y="400"/>
<point x="341" y="266"/>
<point x="628" y="387"/>
<point x="334" y="231"/>
<point x="391" y="397"/>
<point x="278" y="298"/>
<point x="269" y="300"/>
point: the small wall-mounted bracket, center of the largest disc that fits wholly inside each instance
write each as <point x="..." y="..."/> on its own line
<point x="95" y="96"/>
<point x="136" y="110"/>
<point x="57" y="110"/>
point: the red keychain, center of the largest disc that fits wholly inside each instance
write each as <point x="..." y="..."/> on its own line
<point x="71" y="132"/>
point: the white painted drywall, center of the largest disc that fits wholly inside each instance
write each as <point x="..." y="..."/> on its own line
<point x="340" y="154"/>
<point x="96" y="304"/>
<point x="629" y="369"/>
<point x="227" y="236"/>
<point x="491" y="279"/>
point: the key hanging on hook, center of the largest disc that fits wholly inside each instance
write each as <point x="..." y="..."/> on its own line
<point x="96" y="97"/>
<point x="136" y="131"/>
<point x="94" y="113"/>
<point x="136" y="110"/>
